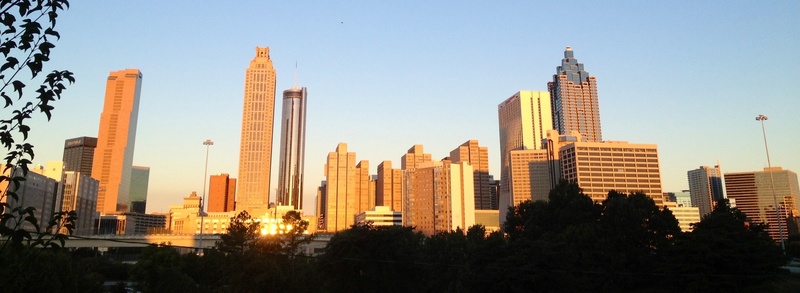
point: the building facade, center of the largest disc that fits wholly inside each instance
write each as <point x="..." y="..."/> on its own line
<point x="598" y="167"/>
<point x="705" y="188"/>
<point x="221" y="193"/>
<point x="575" y="104"/>
<point x="255" y="153"/>
<point x="79" y="154"/>
<point x="113" y="157"/>
<point x="80" y="195"/>
<point x="478" y="157"/>
<point x="140" y="182"/>
<point x="524" y="119"/>
<point x="389" y="187"/>
<point x="439" y="197"/>
<point x="380" y="216"/>
<point x="755" y="196"/>
<point x="343" y="189"/>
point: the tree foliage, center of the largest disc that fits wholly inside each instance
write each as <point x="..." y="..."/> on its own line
<point x="27" y="33"/>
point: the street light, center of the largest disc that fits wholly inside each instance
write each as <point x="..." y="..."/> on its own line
<point x="763" y="118"/>
<point x="208" y="143"/>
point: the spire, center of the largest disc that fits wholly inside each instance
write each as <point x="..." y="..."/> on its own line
<point x="295" y="76"/>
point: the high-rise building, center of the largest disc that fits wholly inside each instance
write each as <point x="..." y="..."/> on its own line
<point x="524" y="119"/>
<point x="478" y="157"/>
<point x="255" y="153"/>
<point x="598" y="167"/>
<point x="705" y="188"/>
<point x="38" y="190"/>
<point x="293" y="145"/>
<point x="80" y="195"/>
<point x="414" y="157"/>
<point x="221" y="193"/>
<point x="140" y="181"/>
<point x="439" y="197"/>
<point x="79" y="154"/>
<point x="529" y="176"/>
<point x="574" y="94"/>
<point x="343" y="189"/>
<point x="389" y="187"/>
<point x="755" y="196"/>
<point x="113" y="157"/>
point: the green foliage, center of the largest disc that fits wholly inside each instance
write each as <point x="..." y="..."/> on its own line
<point x="162" y="269"/>
<point x="27" y="31"/>
<point x="242" y="232"/>
<point x="45" y="270"/>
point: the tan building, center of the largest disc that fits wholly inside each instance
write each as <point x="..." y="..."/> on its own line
<point x="524" y="119"/>
<point x="439" y="197"/>
<point x="529" y="178"/>
<point x="221" y="193"/>
<point x="478" y="157"/>
<point x="414" y="157"/>
<point x="255" y="154"/>
<point x="753" y="194"/>
<point x="113" y="157"/>
<point x="705" y="187"/>
<point x="575" y="102"/>
<point x="380" y="216"/>
<point x="599" y="167"/>
<point x="389" y="187"/>
<point x="346" y="190"/>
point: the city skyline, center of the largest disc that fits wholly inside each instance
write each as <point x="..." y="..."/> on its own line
<point x="692" y="87"/>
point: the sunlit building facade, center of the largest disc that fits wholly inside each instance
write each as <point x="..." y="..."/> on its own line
<point x="575" y="104"/>
<point x="705" y="188"/>
<point x="255" y="153"/>
<point x="753" y="194"/>
<point x="113" y="157"/>
<point x="221" y="193"/>
<point x="344" y="190"/>
<point x="389" y="187"/>
<point x="478" y="157"/>
<point x="439" y="197"/>
<point x="292" y="152"/>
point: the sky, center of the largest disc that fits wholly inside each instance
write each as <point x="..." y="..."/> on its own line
<point x="382" y="76"/>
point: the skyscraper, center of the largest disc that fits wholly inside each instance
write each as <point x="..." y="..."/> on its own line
<point x="414" y="157"/>
<point x="389" y="187"/>
<point x="140" y="181"/>
<point x="79" y="154"/>
<point x="293" y="144"/>
<point x="439" y="197"/>
<point x="344" y="192"/>
<point x="574" y="94"/>
<point x="705" y="188"/>
<point x="255" y="153"/>
<point x="113" y="157"/>
<point x="524" y="119"/>
<point x="478" y="157"/>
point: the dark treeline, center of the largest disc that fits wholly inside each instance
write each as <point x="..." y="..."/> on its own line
<point x="565" y="244"/>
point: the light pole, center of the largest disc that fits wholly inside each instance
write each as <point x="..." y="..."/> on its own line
<point x="763" y="118"/>
<point x="208" y="143"/>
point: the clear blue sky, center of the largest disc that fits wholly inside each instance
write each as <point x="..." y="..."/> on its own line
<point x="382" y="76"/>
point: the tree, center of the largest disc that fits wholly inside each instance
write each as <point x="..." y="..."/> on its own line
<point x="28" y="29"/>
<point x="242" y="233"/>
<point x="295" y="233"/>
<point x="161" y="269"/>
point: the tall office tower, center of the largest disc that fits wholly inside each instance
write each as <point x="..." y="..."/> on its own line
<point x="140" y="181"/>
<point x="39" y="190"/>
<point x="341" y="177"/>
<point x="365" y="188"/>
<point x="753" y="193"/>
<point x="293" y="148"/>
<point x="705" y="188"/>
<point x="113" y="157"/>
<point x="255" y="153"/>
<point x="574" y="95"/>
<point x="389" y="187"/>
<point x="414" y="157"/>
<point x="598" y="167"/>
<point x="79" y="154"/>
<point x="221" y="193"/>
<point x="478" y="157"/>
<point x="529" y="175"/>
<point x="439" y="197"/>
<point x="80" y="195"/>
<point x="524" y="119"/>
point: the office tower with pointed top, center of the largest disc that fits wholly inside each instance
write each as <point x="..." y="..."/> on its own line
<point x="255" y="153"/>
<point x="574" y="94"/>
<point x="113" y="157"/>
<point x="293" y="146"/>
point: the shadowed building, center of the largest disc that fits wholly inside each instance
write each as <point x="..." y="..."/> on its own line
<point x="140" y="181"/>
<point x="705" y="188"/>
<point x="575" y="105"/>
<point x="255" y="153"/>
<point x="292" y="152"/>
<point x="79" y="154"/>
<point x="80" y="195"/>
<point x="113" y="157"/>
